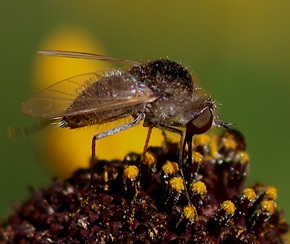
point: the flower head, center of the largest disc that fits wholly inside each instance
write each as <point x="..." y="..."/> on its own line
<point x="145" y="201"/>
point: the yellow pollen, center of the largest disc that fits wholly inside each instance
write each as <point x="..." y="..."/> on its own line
<point x="229" y="207"/>
<point x="199" y="187"/>
<point x="229" y="142"/>
<point x="201" y="140"/>
<point x="271" y="193"/>
<point x="243" y="157"/>
<point x="131" y="172"/>
<point x="189" y="212"/>
<point x="197" y="157"/>
<point x="149" y="159"/>
<point x="214" y="146"/>
<point x="170" y="168"/>
<point x="269" y="206"/>
<point x="250" y="194"/>
<point x="176" y="183"/>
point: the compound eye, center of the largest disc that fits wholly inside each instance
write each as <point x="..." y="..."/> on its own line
<point x="201" y="123"/>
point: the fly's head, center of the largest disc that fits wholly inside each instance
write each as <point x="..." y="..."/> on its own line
<point x="202" y="116"/>
<point x="199" y="115"/>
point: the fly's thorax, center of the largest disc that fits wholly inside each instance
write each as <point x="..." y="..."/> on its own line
<point x="171" y="83"/>
<point x="165" y="108"/>
<point x="164" y="77"/>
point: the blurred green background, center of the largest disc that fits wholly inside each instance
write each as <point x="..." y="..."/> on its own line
<point x="240" y="51"/>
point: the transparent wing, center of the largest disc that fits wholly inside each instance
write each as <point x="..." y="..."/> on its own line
<point x="83" y="55"/>
<point x="88" y="93"/>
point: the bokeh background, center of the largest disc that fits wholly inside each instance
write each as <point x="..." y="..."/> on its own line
<point x="239" y="51"/>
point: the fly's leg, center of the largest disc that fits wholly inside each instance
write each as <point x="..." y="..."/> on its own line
<point x="146" y="144"/>
<point x="184" y="138"/>
<point x="99" y="136"/>
<point x="188" y="141"/>
<point x="110" y="132"/>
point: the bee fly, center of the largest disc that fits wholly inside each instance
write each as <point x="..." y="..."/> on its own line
<point x="162" y="93"/>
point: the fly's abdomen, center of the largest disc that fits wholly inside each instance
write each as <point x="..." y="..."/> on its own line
<point x="82" y="120"/>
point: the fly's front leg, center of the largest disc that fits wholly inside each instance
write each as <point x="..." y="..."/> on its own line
<point x="185" y="138"/>
<point x="182" y="143"/>
<point x="110" y="132"/>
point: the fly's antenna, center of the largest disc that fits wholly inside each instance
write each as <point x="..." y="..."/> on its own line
<point x="223" y="124"/>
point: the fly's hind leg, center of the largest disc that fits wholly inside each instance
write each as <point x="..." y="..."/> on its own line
<point x="146" y="144"/>
<point x="110" y="132"/>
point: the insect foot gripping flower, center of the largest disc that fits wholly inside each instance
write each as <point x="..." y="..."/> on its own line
<point x="134" y="202"/>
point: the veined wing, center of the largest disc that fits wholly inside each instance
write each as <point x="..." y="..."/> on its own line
<point x="83" y="55"/>
<point x="88" y="93"/>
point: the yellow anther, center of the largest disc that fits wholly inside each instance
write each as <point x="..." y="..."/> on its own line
<point x="201" y="140"/>
<point x="229" y="142"/>
<point x="198" y="187"/>
<point x="243" y="157"/>
<point x="250" y="194"/>
<point x="176" y="184"/>
<point x="197" y="158"/>
<point x="214" y="151"/>
<point x="189" y="212"/>
<point x="131" y="172"/>
<point x="229" y="207"/>
<point x="153" y="232"/>
<point x="268" y="206"/>
<point x="271" y="192"/>
<point x="106" y="179"/>
<point x="149" y="159"/>
<point x="170" y="168"/>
